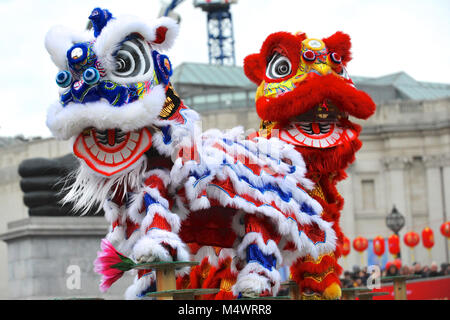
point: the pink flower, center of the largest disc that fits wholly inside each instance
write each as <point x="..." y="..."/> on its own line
<point x="111" y="264"/>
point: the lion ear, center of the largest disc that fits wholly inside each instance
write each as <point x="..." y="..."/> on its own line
<point x="165" y="31"/>
<point x="253" y="68"/>
<point x="341" y="44"/>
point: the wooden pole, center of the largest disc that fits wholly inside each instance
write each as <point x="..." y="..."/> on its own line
<point x="165" y="280"/>
<point x="400" y="289"/>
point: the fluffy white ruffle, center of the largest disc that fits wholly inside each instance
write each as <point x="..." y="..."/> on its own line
<point x="71" y="120"/>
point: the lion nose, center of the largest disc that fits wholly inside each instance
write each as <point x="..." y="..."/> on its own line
<point x="321" y="69"/>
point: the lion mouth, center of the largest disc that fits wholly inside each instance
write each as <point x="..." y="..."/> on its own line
<point x="112" y="150"/>
<point x="325" y="112"/>
<point x="320" y="127"/>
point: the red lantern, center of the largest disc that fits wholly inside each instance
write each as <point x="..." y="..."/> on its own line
<point x="445" y="229"/>
<point x="428" y="238"/>
<point x="345" y="246"/>
<point x="411" y="239"/>
<point x="394" y="245"/>
<point x="378" y="246"/>
<point x="360" y="244"/>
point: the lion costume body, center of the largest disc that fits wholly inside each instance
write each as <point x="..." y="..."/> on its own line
<point x="243" y="207"/>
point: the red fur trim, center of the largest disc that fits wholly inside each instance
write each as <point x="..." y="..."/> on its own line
<point x="216" y="275"/>
<point x="183" y="282"/>
<point x="225" y="295"/>
<point x="155" y="182"/>
<point x="252" y="68"/>
<point x="160" y="223"/>
<point x="299" y="267"/>
<point x="263" y="226"/>
<point x="313" y="91"/>
<point x="209" y="227"/>
<point x="196" y="279"/>
<point x="341" y="44"/>
<point x="131" y="227"/>
<point x="143" y="272"/>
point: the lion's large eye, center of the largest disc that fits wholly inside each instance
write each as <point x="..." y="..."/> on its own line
<point x="133" y="62"/>
<point x="278" y="67"/>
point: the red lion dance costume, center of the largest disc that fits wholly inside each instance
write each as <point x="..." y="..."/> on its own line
<point x="304" y="98"/>
<point x="242" y="207"/>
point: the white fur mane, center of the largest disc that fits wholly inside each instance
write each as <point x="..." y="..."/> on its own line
<point x="90" y="190"/>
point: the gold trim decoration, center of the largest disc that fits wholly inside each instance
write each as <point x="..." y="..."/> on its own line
<point x="318" y="277"/>
<point x="226" y="284"/>
<point x="308" y="258"/>
<point x="311" y="296"/>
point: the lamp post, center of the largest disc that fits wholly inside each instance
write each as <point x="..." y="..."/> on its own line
<point x="395" y="222"/>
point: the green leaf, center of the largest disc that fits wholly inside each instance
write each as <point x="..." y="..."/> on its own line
<point x="125" y="265"/>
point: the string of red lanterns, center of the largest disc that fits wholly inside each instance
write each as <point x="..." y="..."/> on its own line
<point x="411" y="239"/>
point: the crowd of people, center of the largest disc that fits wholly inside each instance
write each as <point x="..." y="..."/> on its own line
<point x="358" y="277"/>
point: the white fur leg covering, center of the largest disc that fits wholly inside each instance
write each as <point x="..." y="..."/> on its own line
<point x="140" y="286"/>
<point x="255" y="278"/>
<point x="150" y="248"/>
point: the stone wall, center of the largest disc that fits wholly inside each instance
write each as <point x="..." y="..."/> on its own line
<point x="52" y="258"/>
<point x="11" y="197"/>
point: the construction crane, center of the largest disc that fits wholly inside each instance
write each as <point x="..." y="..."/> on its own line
<point x="219" y="27"/>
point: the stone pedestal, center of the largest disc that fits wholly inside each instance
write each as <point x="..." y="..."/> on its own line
<point x="52" y="258"/>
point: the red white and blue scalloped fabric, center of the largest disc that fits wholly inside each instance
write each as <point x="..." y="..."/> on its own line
<point x="265" y="176"/>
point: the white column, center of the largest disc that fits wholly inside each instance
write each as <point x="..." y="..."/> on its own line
<point x="435" y="205"/>
<point x="397" y="196"/>
<point x="347" y="222"/>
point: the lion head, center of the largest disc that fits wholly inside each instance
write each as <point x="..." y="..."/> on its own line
<point x="305" y="95"/>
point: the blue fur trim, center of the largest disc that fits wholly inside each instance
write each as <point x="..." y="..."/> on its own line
<point x="167" y="138"/>
<point x="116" y="94"/>
<point x="100" y="18"/>
<point x="66" y="97"/>
<point x="149" y="200"/>
<point x="151" y="288"/>
<point x="254" y="254"/>
<point x="83" y="92"/>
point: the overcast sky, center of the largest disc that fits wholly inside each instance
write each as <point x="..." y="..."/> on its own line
<point x="387" y="35"/>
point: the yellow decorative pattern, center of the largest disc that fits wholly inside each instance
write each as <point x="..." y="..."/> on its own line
<point x="226" y="284"/>
<point x="308" y="258"/>
<point x="312" y="296"/>
<point x="168" y="107"/>
<point x="318" y="277"/>
<point x="317" y="192"/>
<point x="265" y="128"/>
